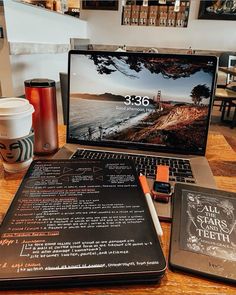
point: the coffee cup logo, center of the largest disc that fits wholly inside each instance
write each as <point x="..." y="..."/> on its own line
<point x="17" y="150"/>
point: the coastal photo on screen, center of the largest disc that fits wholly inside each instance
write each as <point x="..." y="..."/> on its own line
<point x="155" y="100"/>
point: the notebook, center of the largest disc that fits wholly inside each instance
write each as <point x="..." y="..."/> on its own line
<point x="79" y="222"/>
<point x="148" y="104"/>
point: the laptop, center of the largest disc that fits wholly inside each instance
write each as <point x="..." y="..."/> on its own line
<point x="148" y="107"/>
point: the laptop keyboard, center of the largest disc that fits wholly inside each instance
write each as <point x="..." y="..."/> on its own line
<point x="180" y="169"/>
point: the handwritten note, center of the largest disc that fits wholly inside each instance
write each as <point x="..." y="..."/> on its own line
<point x="84" y="217"/>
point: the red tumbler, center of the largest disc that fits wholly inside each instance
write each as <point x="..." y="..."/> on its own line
<point x="42" y="95"/>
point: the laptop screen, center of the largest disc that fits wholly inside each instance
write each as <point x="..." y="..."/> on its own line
<point x="145" y="101"/>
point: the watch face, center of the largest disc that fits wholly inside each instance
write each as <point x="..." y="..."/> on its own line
<point x="162" y="187"/>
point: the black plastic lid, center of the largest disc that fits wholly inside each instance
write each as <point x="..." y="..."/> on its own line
<point x="40" y="83"/>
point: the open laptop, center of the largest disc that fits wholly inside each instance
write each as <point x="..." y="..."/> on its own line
<point x="142" y="106"/>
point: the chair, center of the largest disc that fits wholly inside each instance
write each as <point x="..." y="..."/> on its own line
<point x="224" y="62"/>
<point x="226" y="96"/>
<point x="233" y="122"/>
<point x="228" y="105"/>
<point x="231" y="63"/>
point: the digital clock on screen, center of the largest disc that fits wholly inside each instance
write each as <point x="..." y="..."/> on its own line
<point x="136" y="100"/>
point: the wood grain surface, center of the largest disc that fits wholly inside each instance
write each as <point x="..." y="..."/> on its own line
<point x="222" y="160"/>
<point x="230" y="70"/>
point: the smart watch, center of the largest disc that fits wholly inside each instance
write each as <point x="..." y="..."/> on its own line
<point x="162" y="189"/>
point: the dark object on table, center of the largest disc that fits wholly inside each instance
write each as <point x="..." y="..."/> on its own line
<point x="162" y="191"/>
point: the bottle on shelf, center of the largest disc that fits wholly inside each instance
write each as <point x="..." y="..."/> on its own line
<point x="54" y="5"/>
<point x="190" y="51"/>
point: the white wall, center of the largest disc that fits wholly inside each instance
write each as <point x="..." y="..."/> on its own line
<point x="6" y="87"/>
<point x="31" y="66"/>
<point x="104" y="27"/>
<point x="26" y="23"/>
<point x="32" y="24"/>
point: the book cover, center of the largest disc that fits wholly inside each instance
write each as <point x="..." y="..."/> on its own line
<point x="209" y="225"/>
<point x="203" y="233"/>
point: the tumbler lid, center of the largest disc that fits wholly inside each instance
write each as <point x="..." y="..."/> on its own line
<point x="40" y="83"/>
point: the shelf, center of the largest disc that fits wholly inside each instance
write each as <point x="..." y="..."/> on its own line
<point x="70" y="12"/>
<point x="170" y="14"/>
<point x="20" y="48"/>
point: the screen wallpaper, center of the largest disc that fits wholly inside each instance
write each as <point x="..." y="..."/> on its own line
<point x="148" y="101"/>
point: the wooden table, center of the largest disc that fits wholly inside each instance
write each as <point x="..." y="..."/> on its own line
<point x="222" y="160"/>
<point x="229" y="70"/>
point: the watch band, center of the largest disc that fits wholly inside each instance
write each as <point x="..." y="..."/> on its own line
<point x="162" y="173"/>
<point x="161" y="184"/>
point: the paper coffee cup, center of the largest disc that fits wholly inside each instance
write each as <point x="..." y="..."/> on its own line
<point x="15" y="117"/>
<point x="16" y="138"/>
<point x="17" y="153"/>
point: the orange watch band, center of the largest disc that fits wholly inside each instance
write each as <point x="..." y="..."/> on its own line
<point x="162" y="173"/>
